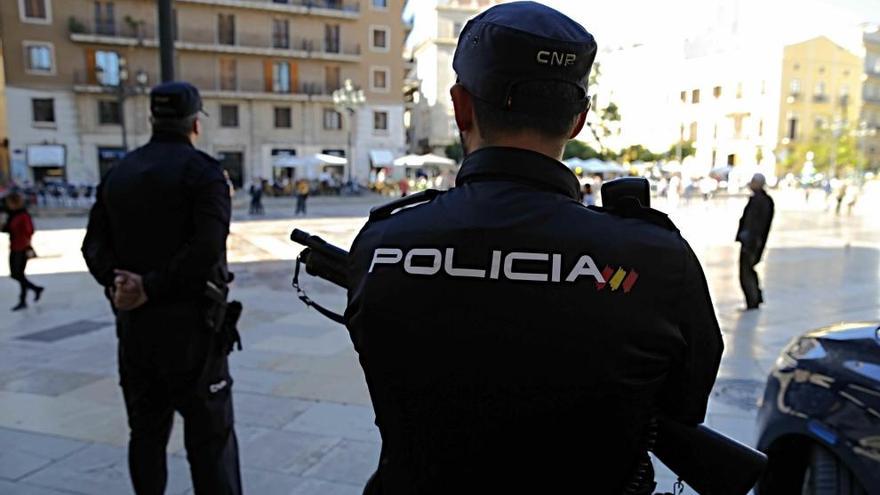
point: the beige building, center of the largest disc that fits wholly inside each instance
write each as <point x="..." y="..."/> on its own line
<point x="869" y="127"/>
<point x="266" y="70"/>
<point x="820" y="92"/>
<point x="432" y="46"/>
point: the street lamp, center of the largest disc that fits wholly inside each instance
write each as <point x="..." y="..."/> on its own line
<point x="123" y="89"/>
<point x="347" y="99"/>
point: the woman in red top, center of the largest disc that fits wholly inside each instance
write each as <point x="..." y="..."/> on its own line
<point x="20" y="228"/>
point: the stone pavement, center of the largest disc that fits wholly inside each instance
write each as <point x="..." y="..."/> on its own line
<point x="304" y="419"/>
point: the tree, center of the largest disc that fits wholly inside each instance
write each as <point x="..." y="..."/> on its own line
<point x="602" y="121"/>
<point x="455" y="152"/>
<point x="638" y="153"/>
<point x="579" y="149"/>
<point x="687" y="149"/>
<point x="833" y="150"/>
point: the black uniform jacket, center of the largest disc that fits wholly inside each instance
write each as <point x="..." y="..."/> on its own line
<point x="511" y="337"/>
<point x="163" y="212"/>
<point x="754" y="226"/>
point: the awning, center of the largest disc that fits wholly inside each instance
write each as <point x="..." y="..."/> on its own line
<point x="422" y="160"/>
<point x="381" y="158"/>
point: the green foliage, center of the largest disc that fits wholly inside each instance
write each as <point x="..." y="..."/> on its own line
<point x="454" y="152"/>
<point x="603" y="120"/>
<point x="833" y="152"/>
<point x="579" y="149"/>
<point x="687" y="149"/>
<point x="638" y="153"/>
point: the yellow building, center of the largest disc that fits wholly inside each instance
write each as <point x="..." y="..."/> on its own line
<point x="869" y="127"/>
<point x="820" y="100"/>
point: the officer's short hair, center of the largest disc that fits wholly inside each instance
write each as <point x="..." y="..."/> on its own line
<point x="550" y="122"/>
<point x="182" y="126"/>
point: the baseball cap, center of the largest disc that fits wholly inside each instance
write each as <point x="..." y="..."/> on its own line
<point x="518" y="42"/>
<point x="175" y="100"/>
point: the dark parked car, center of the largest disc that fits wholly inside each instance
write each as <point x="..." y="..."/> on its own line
<point x="819" y="421"/>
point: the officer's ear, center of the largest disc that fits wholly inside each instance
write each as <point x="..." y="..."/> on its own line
<point x="579" y="124"/>
<point x="463" y="103"/>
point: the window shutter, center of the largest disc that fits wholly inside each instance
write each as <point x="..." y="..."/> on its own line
<point x="294" y="78"/>
<point x="91" y="77"/>
<point x="267" y="75"/>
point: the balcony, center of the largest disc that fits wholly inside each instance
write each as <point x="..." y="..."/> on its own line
<point x="246" y="43"/>
<point x="327" y="8"/>
<point x="820" y="98"/>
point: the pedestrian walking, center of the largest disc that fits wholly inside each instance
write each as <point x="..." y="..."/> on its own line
<point x="302" y="195"/>
<point x="589" y="199"/>
<point x="256" y="192"/>
<point x="754" y="227"/>
<point x="20" y="227"/>
<point x="510" y="389"/>
<point x="158" y="248"/>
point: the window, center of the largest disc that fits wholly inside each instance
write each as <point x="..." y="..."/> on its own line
<point x="107" y="67"/>
<point x="684" y="97"/>
<point x="331" y="38"/>
<point x="716" y="91"/>
<point x="380" y="121"/>
<point x="819" y="92"/>
<point x="695" y="96"/>
<point x="43" y="110"/>
<point x="39" y="58"/>
<point x="332" y="119"/>
<point x="379" y="80"/>
<point x="37" y="11"/>
<point x="280" y="33"/>
<point x="108" y="112"/>
<point x="739" y="90"/>
<point x="693" y="131"/>
<point x="379" y="38"/>
<point x="819" y="124"/>
<point x="283" y="118"/>
<point x="281" y="77"/>
<point x="332" y="78"/>
<point x="228" y="74"/>
<point x="794" y="87"/>
<point x="380" y="4"/>
<point x="228" y="115"/>
<point x="104" y="21"/>
<point x="456" y="29"/>
<point x="792" y="128"/>
<point x="226" y="29"/>
<point x="761" y="128"/>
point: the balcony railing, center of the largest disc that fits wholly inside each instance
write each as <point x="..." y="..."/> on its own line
<point x="259" y="43"/>
<point x="128" y="28"/>
<point x="820" y="98"/>
<point x="330" y="6"/>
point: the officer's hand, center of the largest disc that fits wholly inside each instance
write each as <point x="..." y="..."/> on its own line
<point x="129" y="293"/>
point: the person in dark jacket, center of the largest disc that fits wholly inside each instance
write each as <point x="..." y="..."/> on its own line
<point x="511" y="389"/>
<point x="20" y="228"/>
<point x="156" y="237"/>
<point x="754" y="227"/>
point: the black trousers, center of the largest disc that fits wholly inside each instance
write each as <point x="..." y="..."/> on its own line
<point x="17" y="263"/>
<point x="748" y="278"/>
<point x="161" y="373"/>
<point x="301" y="203"/>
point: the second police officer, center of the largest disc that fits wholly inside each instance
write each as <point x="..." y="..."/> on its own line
<point x="156" y="237"/>
<point x="511" y="338"/>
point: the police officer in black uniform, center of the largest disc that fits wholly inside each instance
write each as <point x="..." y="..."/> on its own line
<point x="512" y="339"/>
<point x="156" y="237"/>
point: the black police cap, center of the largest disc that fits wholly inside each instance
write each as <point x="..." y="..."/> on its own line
<point x="175" y="100"/>
<point x="518" y="42"/>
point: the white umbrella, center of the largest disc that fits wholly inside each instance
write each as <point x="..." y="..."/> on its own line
<point x="422" y="160"/>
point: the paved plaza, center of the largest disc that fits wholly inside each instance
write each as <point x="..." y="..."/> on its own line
<point x="304" y="420"/>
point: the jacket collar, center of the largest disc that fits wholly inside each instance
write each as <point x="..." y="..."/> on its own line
<point x="169" y="137"/>
<point x="520" y="165"/>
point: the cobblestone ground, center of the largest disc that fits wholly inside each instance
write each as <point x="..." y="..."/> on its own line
<point x="304" y="419"/>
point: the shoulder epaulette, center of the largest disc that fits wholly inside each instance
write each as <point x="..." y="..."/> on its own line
<point x="649" y="215"/>
<point x="384" y="211"/>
